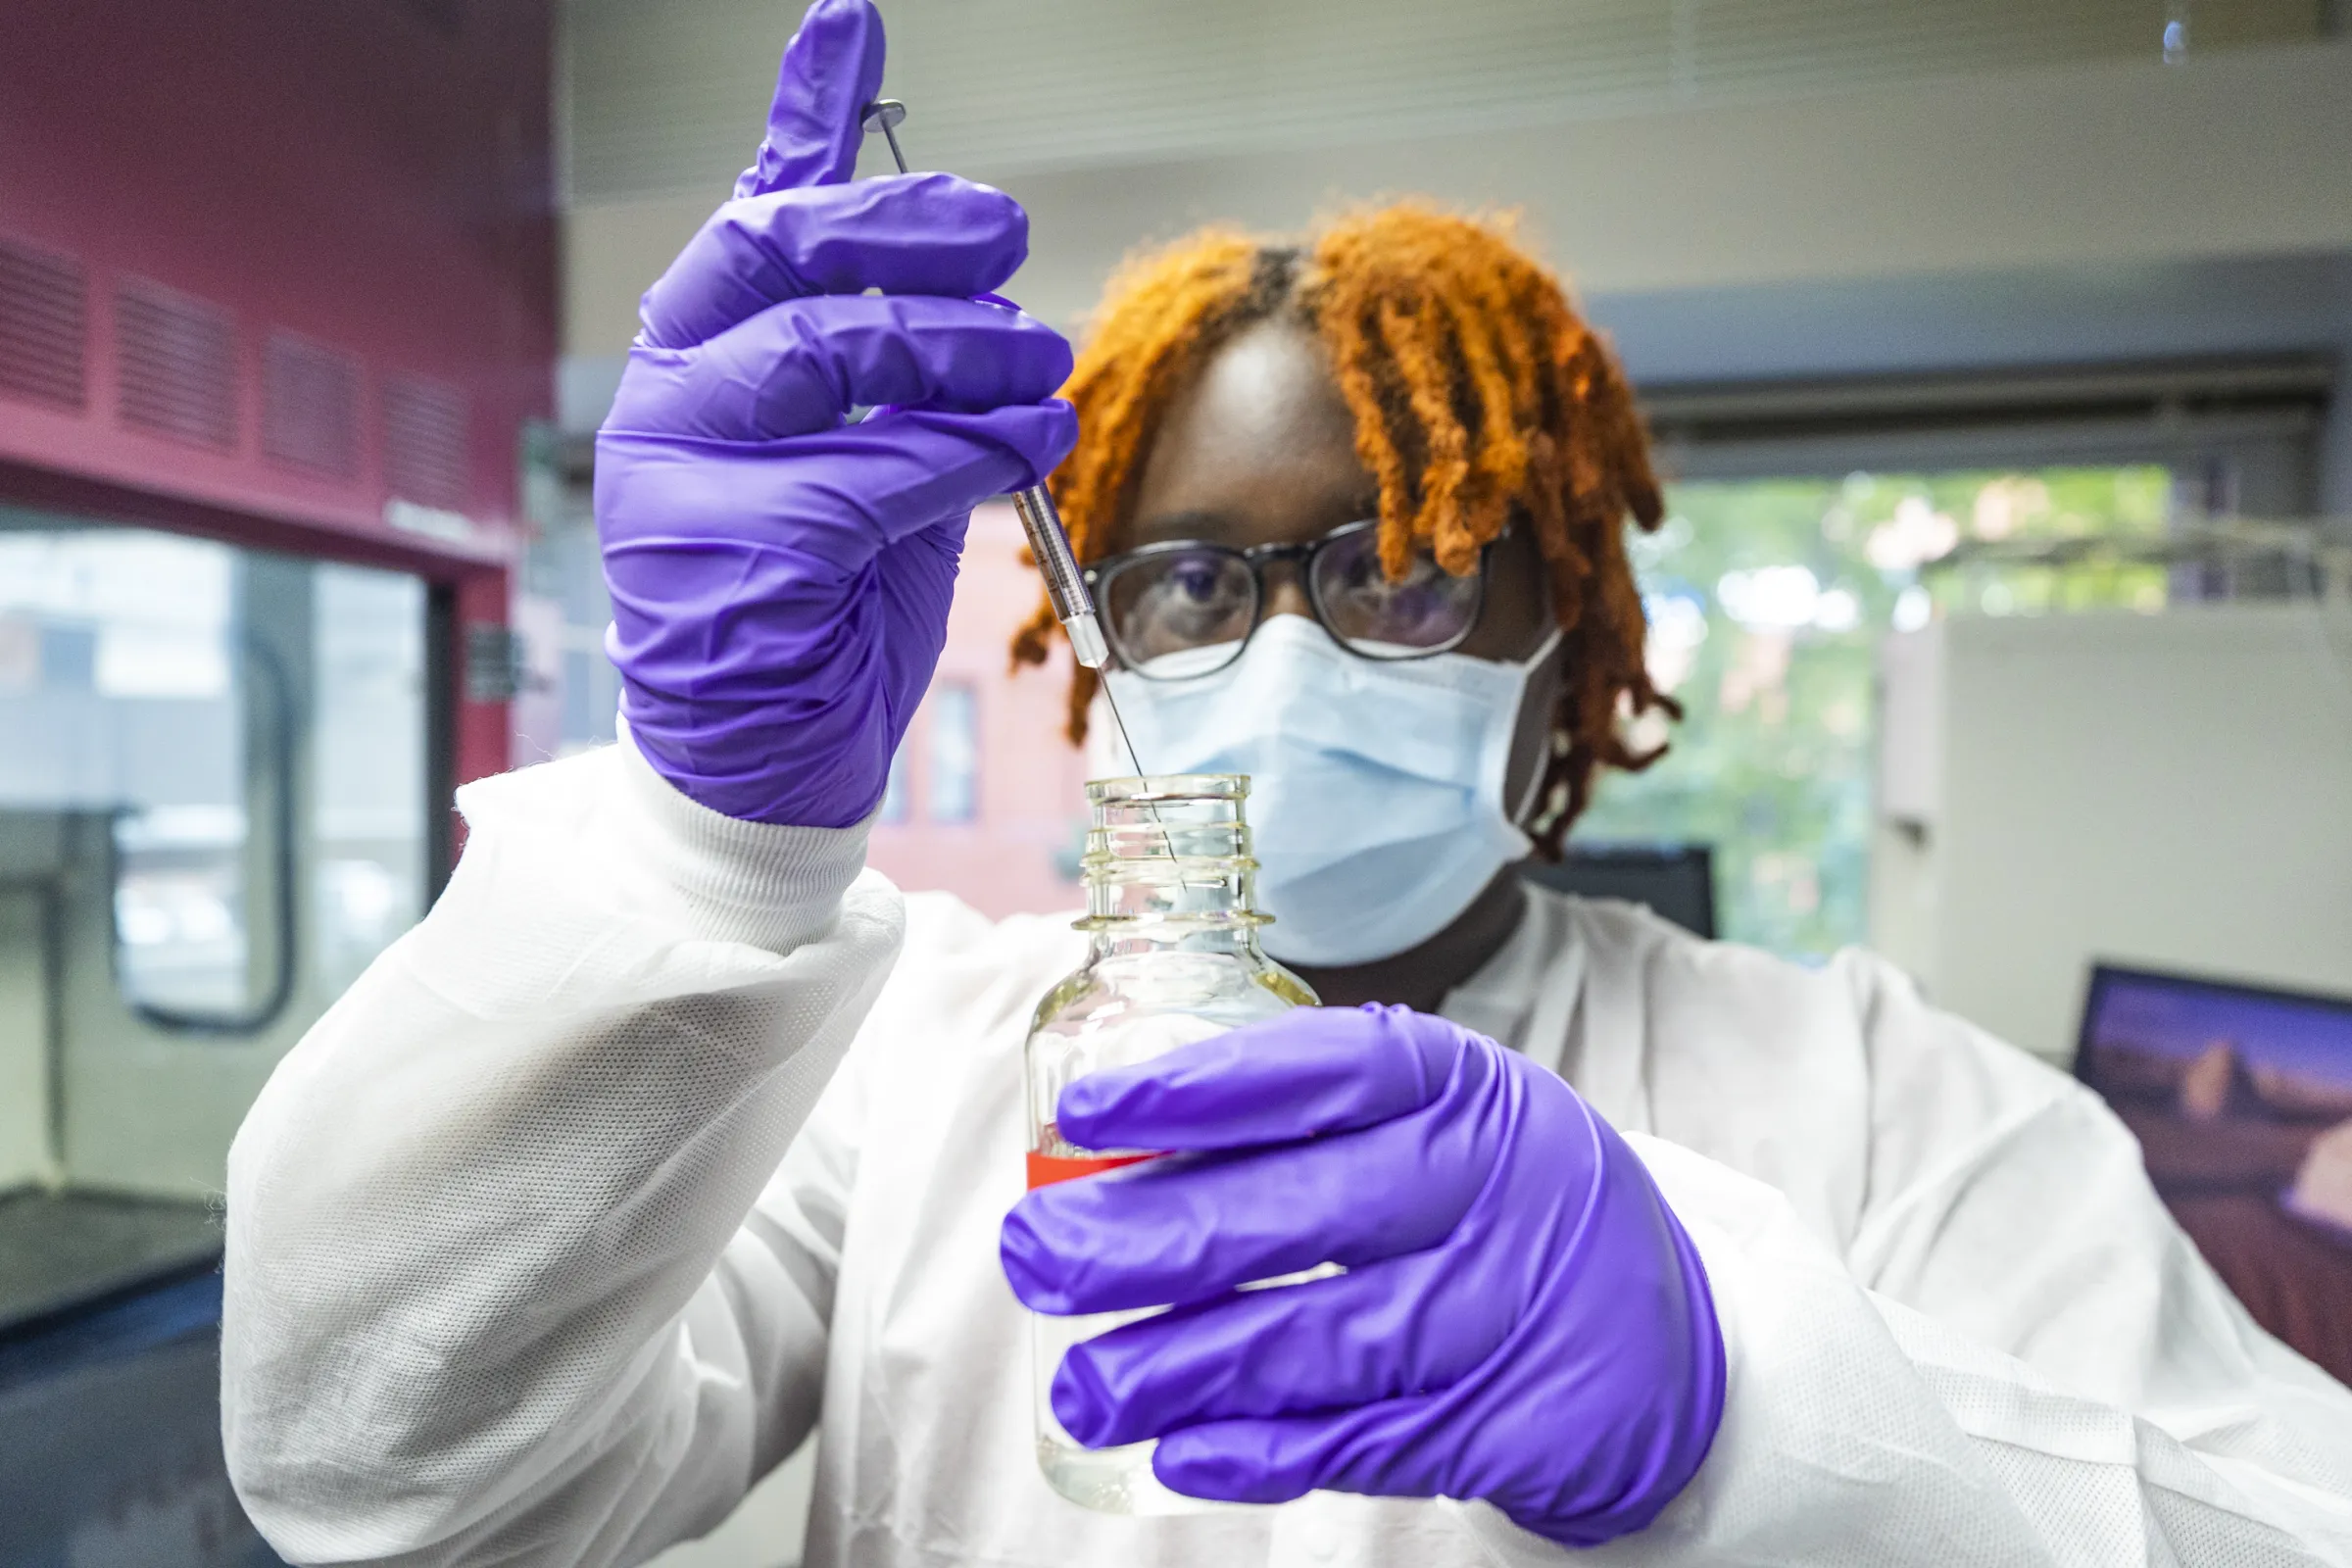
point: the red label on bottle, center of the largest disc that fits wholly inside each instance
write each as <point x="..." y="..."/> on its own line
<point x="1047" y="1169"/>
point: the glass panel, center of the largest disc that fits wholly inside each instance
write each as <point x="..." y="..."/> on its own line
<point x="1767" y="599"/>
<point x="369" y="771"/>
<point x="123" y="696"/>
<point x="955" y="748"/>
<point x="562" y="612"/>
<point x="180" y="689"/>
<point x="894" y="788"/>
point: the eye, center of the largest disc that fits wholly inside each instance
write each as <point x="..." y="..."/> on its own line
<point x="1429" y="608"/>
<point x="1182" y="599"/>
<point x="1355" y="572"/>
<point x="1197" y="578"/>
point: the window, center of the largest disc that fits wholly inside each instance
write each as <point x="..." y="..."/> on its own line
<point x="369" y="767"/>
<point x="142" y="705"/>
<point x="1811" y="521"/>
<point x="572" y="690"/>
<point x="893" y="787"/>
<point x="1767" y="599"/>
<point x="953" y="793"/>
<point x="247" y="728"/>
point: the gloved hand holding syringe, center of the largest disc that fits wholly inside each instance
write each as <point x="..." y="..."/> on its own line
<point x="1048" y="542"/>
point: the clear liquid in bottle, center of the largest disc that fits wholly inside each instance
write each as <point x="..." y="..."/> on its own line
<point x="1174" y="958"/>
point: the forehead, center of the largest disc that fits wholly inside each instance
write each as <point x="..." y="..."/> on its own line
<point x="1260" y="447"/>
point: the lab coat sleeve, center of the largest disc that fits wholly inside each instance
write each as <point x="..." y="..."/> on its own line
<point x="2019" y="1359"/>
<point x="512" y="1274"/>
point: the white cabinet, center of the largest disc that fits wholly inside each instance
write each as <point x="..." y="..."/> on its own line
<point x="2169" y="790"/>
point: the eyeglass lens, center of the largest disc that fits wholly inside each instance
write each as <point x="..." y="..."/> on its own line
<point x="1187" y="611"/>
<point x="1429" y="609"/>
<point x="1182" y="603"/>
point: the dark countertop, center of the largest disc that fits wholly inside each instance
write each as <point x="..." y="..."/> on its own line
<point x="64" y="1251"/>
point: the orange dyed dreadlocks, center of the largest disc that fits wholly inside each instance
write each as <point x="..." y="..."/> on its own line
<point x="1479" y="395"/>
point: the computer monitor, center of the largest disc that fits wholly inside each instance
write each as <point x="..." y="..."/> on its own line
<point x="1675" y="880"/>
<point x="2242" y="1098"/>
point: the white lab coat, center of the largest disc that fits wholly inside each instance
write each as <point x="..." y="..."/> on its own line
<point x="527" y="1266"/>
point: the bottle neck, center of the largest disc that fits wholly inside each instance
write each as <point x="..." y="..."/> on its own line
<point x="1188" y="904"/>
<point x="1167" y="865"/>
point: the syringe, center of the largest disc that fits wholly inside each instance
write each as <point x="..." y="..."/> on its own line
<point x="1048" y="542"/>
<point x="1065" y="591"/>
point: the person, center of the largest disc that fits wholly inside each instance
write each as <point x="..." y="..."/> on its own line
<point x="562" y="1228"/>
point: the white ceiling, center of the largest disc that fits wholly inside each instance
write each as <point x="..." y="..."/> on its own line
<point x="662" y="96"/>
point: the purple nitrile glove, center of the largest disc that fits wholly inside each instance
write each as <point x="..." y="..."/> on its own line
<point x="780" y="577"/>
<point x="1522" y="1318"/>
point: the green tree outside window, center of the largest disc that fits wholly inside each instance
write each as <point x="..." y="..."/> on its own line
<point x="1767" y="599"/>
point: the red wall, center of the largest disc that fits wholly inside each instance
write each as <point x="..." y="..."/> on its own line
<point x="370" y="174"/>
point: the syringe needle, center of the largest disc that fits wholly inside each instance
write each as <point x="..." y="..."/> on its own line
<point x="1120" y="724"/>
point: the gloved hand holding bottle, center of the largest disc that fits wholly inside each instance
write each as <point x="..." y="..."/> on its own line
<point x="1521" y="1317"/>
<point x="780" y="577"/>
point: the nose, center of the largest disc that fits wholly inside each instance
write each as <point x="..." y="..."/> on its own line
<point x="1286" y="591"/>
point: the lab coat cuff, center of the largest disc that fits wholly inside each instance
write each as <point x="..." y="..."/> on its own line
<point x="1830" y="1444"/>
<point x="771" y="886"/>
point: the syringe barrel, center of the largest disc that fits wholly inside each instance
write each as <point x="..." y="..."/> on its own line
<point x="1086" y="639"/>
<point x="1065" y="584"/>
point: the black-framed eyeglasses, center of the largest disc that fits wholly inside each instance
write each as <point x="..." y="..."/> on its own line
<point x="1187" y="607"/>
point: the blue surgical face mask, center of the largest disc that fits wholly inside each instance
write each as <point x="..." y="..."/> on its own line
<point x="1375" y="787"/>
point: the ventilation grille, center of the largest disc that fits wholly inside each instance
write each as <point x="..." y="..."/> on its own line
<point x="424" y="441"/>
<point x="44" y="321"/>
<point x="176" y="366"/>
<point x="310" y="407"/>
<point x="180" y="372"/>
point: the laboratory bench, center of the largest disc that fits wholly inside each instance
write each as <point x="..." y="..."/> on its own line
<point x="110" y="1373"/>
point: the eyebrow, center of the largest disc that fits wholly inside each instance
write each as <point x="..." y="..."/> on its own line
<point x="1169" y="525"/>
<point x="1216" y="526"/>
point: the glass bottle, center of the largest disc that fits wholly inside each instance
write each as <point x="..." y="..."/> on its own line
<point x="1174" y="958"/>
